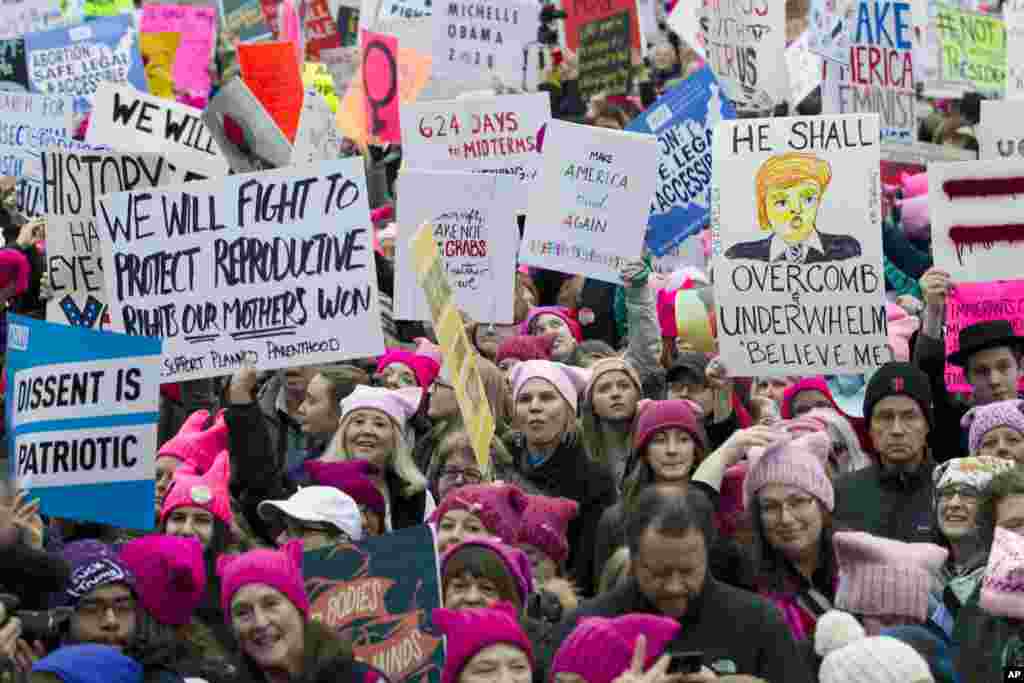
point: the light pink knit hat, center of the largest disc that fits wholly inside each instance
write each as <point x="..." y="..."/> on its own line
<point x="980" y="420"/>
<point x="568" y="380"/>
<point x="398" y="404"/>
<point x="793" y="462"/>
<point x="1002" y="588"/>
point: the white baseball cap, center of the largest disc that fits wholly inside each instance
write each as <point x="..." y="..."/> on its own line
<point x="319" y="504"/>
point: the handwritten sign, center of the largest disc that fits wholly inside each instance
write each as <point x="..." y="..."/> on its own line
<point x="589" y="201"/>
<point x="478" y="43"/>
<point x="605" y="56"/>
<point x="828" y="35"/>
<point x="973" y="49"/>
<point x="579" y="13"/>
<point x="275" y="269"/>
<point x="244" y="131"/>
<point x="474" y="220"/>
<point x="998" y="130"/>
<point x="380" y="86"/>
<point x="974" y="302"/>
<point x="197" y="26"/>
<point x="271" y="70"/>
<point x="799" y="286"/>
<point x="880" y="76"/>
<point x="317" y="138"/>
<point x="1013" y="12"/>
<point x="745" y="42"/>
<point x="81" y="410"/>
<point x="406" y="9"/>
<point x="29" y="124"/>
<point x="127" y="120"/>
<point x="28" y="16"/>
<point x="683" y="119"/>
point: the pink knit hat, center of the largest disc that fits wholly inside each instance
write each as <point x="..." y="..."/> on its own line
<point x="561" y="311"/>
<point x="793" y="462"/>
<point x="915" y="216"/>
<point x="805" y="424"/>
<point x="654" y="416"/>
<point x="568" y="380"/>
<point x="901" y="327"/>
<point x="398" y="404"/>
<point x="881" y="577"/>
<point x="170" y="575"/>
<point x="469" y="631"/>
<point x="980" y="420"/>
<point x="279" y="569"/>
<point x="914" y="184"/>
<point x="525" y="347"/>
<point x="499" y="507"/>
<point x="351" y="477"/>
<point x="425" y="368"/>
<point x="545" y="525"/>
<point x="731" y="508"/>
<point x="514" y="559"/>
<point x="612" y="364"/>
<point x="425" y="347"/>
<point x="193" y="443"/>
<point x="1002" y="588"/>
<point x="599" y="650"/>
<point x="209" y="492"/>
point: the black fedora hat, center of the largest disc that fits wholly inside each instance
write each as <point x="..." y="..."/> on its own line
<point x="987" y="334"/>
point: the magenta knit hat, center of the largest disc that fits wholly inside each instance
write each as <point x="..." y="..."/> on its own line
<point x="654" y="416"/>
<point x="525" y="347"/>
<point x="1002" y="588"/>
<point x="499" y="507"/>
<point x="980" y="420"/>
<point x="195" y="445"/>
<point x="398" y="404"/>
<point x="568" y="380"/>
<point x="881" y="577"/>
<point x="425" y="368"/>
<point x="469" y="631"/>
<point x="793" y="462"/>
<point x="612" y="364"/>
<point x="599" y="650"/>
<point x="545" y="525"/>
<point x="561" y="311"/>
<point x="806" y="384"/>
<point x="280" y="569"/>
<point x="351" y="477"/>
<point x="170" y="575"/>
<point x="209" y="492"/>
<point x="515" y="561"/>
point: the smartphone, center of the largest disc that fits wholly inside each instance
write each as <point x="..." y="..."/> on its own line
<point x="685" y="662"/>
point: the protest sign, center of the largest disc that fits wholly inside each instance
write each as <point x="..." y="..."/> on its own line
<point x="495" y="134"/>
<point x="274" y="269"/>
<point x="106" y="8"/>
<point x="272" y="72"/>
<point x="76" y="60"/>
<point x="880" y="76"/>
<point x="127" y="120"/>
<point x="243" y="22"/>
<point x="407" y="9"/>
<point x="197" y="26"/>
<point x="687" y="254"/>
<point x="347" y="21"/>
<point x="244" y="131"/>
<point x="695" y="318"/>
<point x="805" y="69"/>
<point x="72" y="183"/>
<point x="317" y="138"/>
<point x="974" y="302"/>
<point x="683" y="119"/>
<point x="684" y="20"/>
<point x="379" y="594"/>
<point x="589" y="201"/>
<point x="999" y="135"/>
<point x="318" y="77"/>
<point x="28" y="16"/>
<point x="477" y="43"/>
<point x="973" y="49"/>
<point x="829" y="33"/>
<point x="343" y="64"/>
<point x="1013" y="13"/>
<point x="806" y="299"/>
<point x="380" y="86"/>
<point x="605" y="56"/>
<point x="474" y="220"/>
<point x="579" y="13"/>
<point x="745" y="44"/>
<point x="977" y="218"/>
<point x="81" y="412"/>
<point x="13" y="66"/>
<point x="459" y="358"/>
<point x="158" y="50"/>
<point x="29" y="124"/>
<point x="320" y="30"/>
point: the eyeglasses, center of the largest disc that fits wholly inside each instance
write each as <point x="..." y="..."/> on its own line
<point x="967" y="494"/>
<point x="797" y="505"/>
<point x="468" y="474"/>
<point x="95" y="608"/>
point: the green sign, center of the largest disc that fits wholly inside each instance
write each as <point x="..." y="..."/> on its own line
<point x="972" y="49"/>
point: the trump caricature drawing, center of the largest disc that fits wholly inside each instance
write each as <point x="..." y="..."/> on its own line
<point x="789" y="189"/>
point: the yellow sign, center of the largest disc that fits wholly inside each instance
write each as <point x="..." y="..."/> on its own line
<point x="316" y="75"/>
<point x="693" y="323"/>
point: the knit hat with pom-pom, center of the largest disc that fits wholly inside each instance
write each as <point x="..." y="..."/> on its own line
<point x="850" y="657"/>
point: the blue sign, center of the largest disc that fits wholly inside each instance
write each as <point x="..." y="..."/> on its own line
<point x="81" y="413"/>
<point x="683" y="119"/>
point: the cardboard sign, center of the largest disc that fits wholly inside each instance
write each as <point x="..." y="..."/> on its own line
<point x="244" y="131"/>
<point x="974" y="302"/>
<point x="197" y="26"/>
<point x="474" y="219"/>
<point x="477" y="43"/>
<point x="29" y="16"/>
<point x="495" y="134"/>
<point x="320" y="30"/>
<point x="799" y="285"/>
<point x="380" y="86"/>
<point x="683" y="119"/>
<point x="244" y="22"/>
<point x="13" y="66"/>
<point x="317" y="138"/>
<point x="73" y="62"/>
<point x="745" y="44"/>
<point x="380" y="594"/>
<point x="977" y="218"/>
<point x="605" y="56"/>
<point x="998" y="130"/>
<point x="459" y="357"/>
<point x="1013" y="12"/>
<point x="81" y="411"/>
<point x="73" y="182"/>
<point x="271" y="70"/>
<point x="127" y="120"/>
<point x="589" y="201"/>
<point x="579" y="13"/>
<point x="880" y="77"/>
<point x="973" y="49"/>
<point x="274" y="269"/>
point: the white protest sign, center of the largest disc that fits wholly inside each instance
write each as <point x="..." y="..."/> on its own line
<point x="19" y="17"/>
<point x="999" y="134"/>
<point x="799" y="284"/>
<point x="1013" y="13"/>
<point x="275" y="269"/>
<point x="977" y="218"/>
<point x="317" y="138"/>
<point x="684" y="20"/>
<point x="474" y="219"/>
<point x="29" y="124"/>
<point x="476" y="43"/>
<point x="73" y="183"/>
<point x="130" y="121"/>
<point x="745" y="44"/>
<point x="590" y="202"/>
<point x="407" y="9"/>
<point x="236" y="108"/>
<point x="805" y="69"/>
<point x="497" y="134"/>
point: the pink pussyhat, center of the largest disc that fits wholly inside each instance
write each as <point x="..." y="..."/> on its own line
<point x="170" y="575"/>
<point x="1002" y="588"/>
<point x="424" y="367"/>
<point x="545" y="525"/>
<point x="914" y="184"/>
<point x="915" y="216"/>
<point x="193" y="425"/>
<point x="279" y="569"/>
<point x="901" y="327"/>
<point x="599" y="650"/>
<point x="14" y="269"/>
<point x="209" y="492"/>
<point x="469" y="631"/>
<point x="568" y="380"/>
<point x="351" y="477"/>
<point x="499" y="507"/>
<point x="198" y="448"/>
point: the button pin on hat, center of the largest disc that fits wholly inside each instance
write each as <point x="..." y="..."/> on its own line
<point x="201" y="495"/>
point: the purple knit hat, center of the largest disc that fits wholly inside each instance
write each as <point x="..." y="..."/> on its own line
<point x="515" y="561"/>
<point x="881" y="577"/>
<point x="93" y="564"/>
<point x="654" y="416"/>
<point x="499" y="507"/>
<point x="279" y="569"/>
<point x="793" y="462"/>
<point x="599" y="650"/>
<point x="170" y="575"/>
<point x="469" y="631"/>
<point x="980" y="420"/>
<point x="351" y="477"/>
<point x="568" y="380"/>
<point x="1002" y="588"/>
<point x="545" y="525"/>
